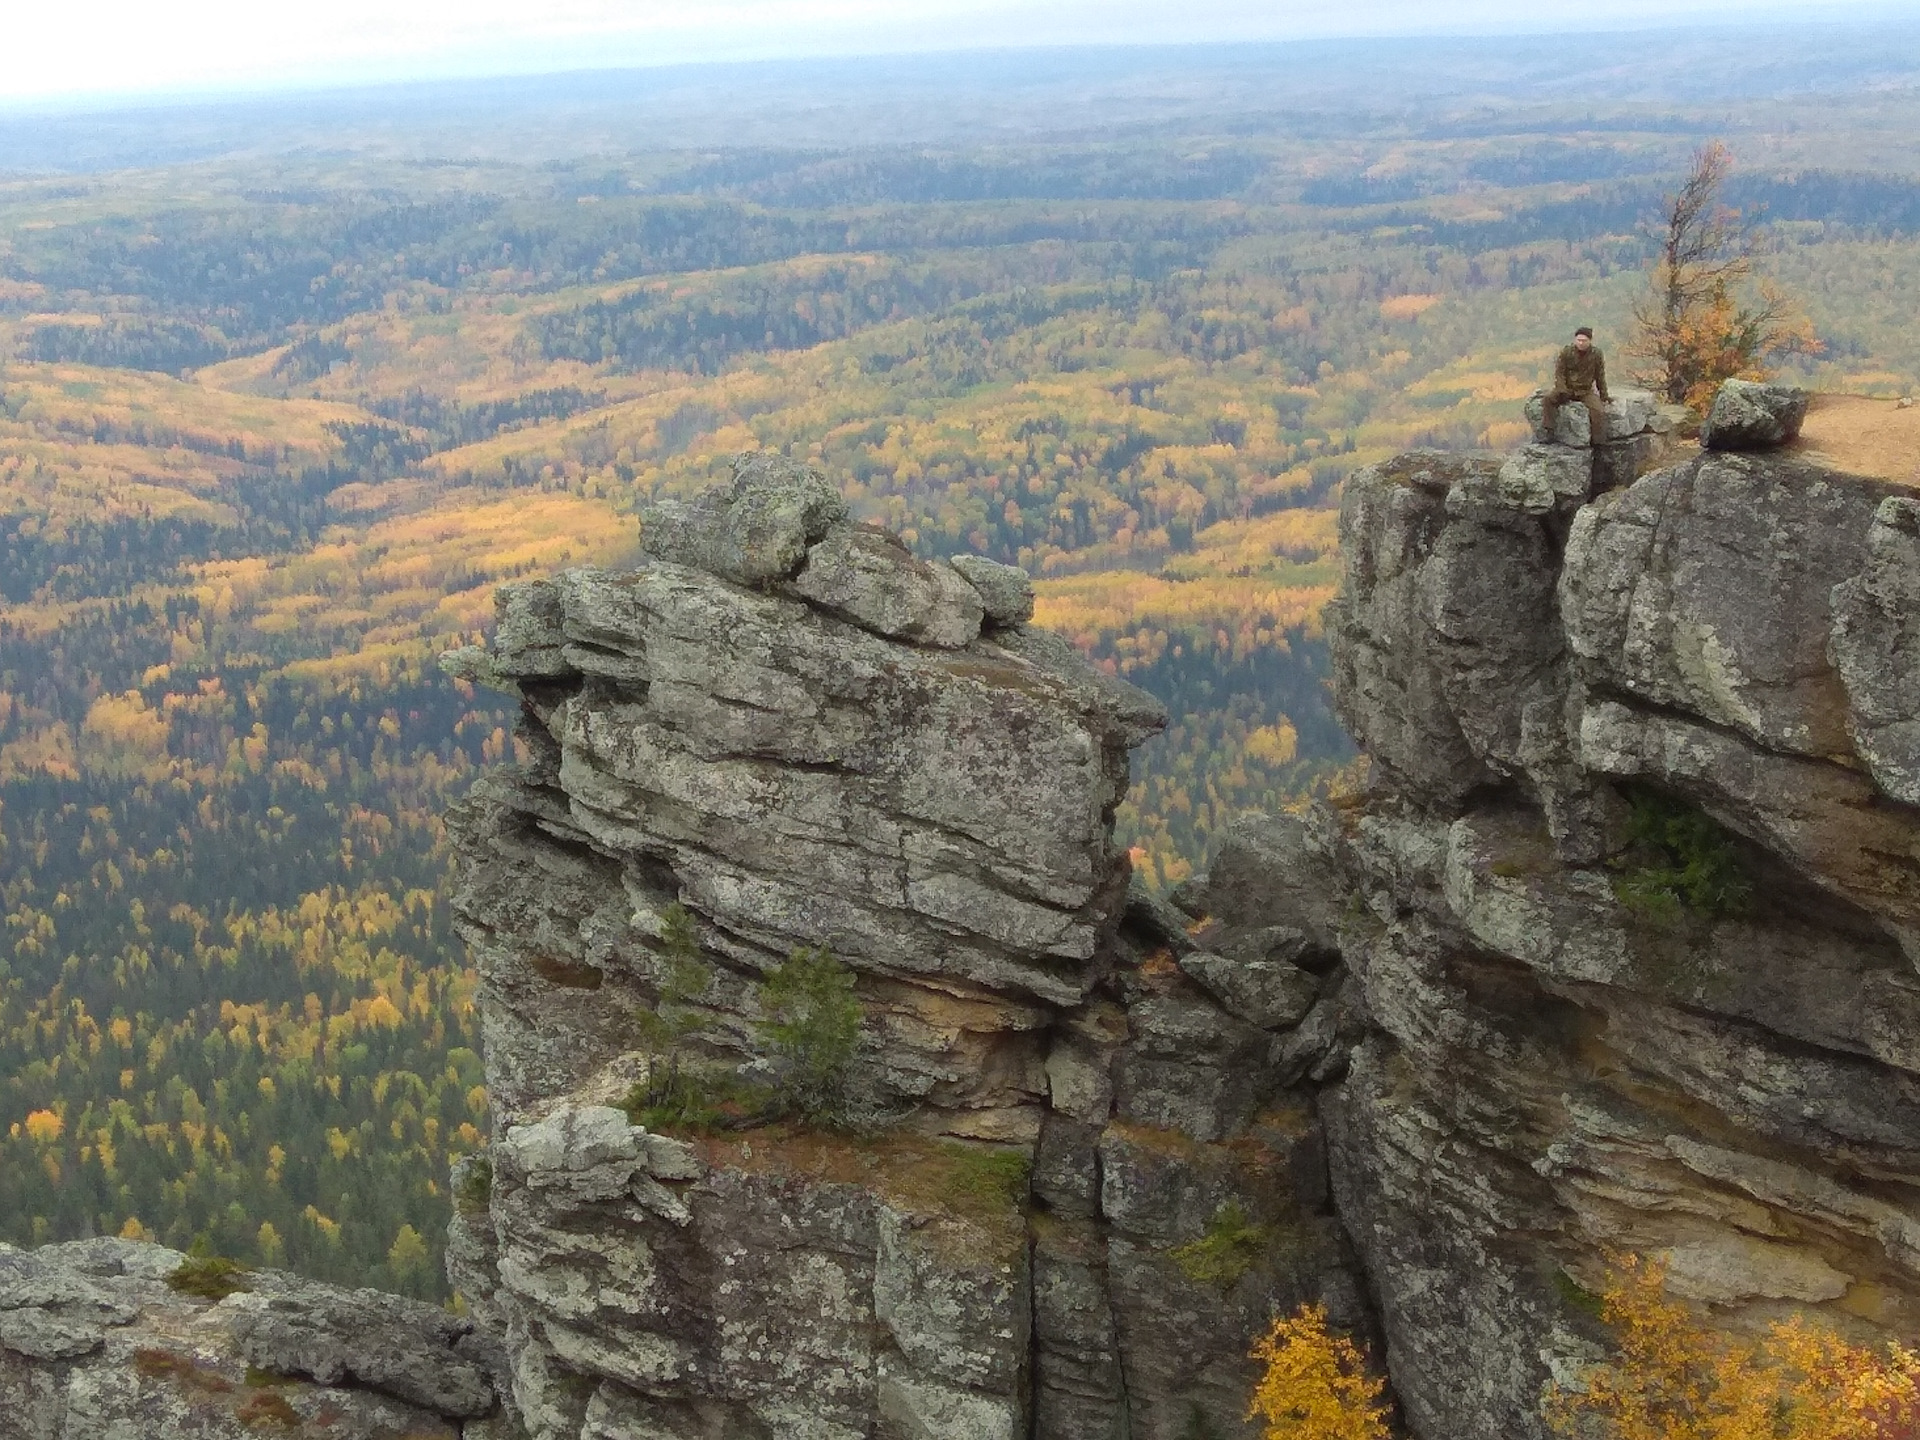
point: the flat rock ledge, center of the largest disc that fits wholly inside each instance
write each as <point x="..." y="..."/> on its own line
<point x="94" y="1343"/>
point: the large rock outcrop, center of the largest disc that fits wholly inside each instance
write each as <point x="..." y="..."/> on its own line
<point x="1569" y="1052"/>
<point x="95" y="1344"/>
<point x="1617" y="950"/>
<point x="1086" y="1167"/>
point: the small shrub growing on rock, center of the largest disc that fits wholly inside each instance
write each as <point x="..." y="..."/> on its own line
<point x="1316" y="1385"/>
<point x="473" y="1194"/>
<point x="811" y="1031"/>
<point x="1672" y="1377"/>
<point x="672" y="1095"/>
<point x="996" y="1179"/>
<point x="1230" y="1246"/>
<point x="209" y="1276"/>
<point x="1681" y="862"/>
<point x="699" y="1101"/>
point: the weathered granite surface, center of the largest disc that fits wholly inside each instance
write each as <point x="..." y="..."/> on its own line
<point x="804" y="734"/>
<point x="94" y="1345"/>
<point x="1547" y="1072"/>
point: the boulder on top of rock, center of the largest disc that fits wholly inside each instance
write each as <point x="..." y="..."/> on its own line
<point x="1006" y="590"/>
<point x="751" y="528"/>
<point x="1754" y="415"/>
<point x="863" y="574"/>
<point x="1629" y="413"/>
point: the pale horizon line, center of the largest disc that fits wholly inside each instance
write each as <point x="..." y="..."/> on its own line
<point x="467" y="68"/>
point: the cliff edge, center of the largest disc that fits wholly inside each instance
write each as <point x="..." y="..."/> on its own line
<point x="1615" y="951"/>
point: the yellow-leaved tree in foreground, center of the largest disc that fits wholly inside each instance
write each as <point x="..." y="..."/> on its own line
<point x="1316" y="1385"/>
<point x="1706" y="317"/>
<point x="1673" y="1378"/>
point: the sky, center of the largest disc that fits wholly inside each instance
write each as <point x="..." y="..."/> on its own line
<point x="79" y="48"/>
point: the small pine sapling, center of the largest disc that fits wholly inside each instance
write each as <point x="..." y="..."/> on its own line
<point x="811" y="1031"/>
<point x="671" y="1095"/>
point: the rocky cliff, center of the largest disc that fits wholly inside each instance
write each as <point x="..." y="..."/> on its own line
<point x="1636" y="905"/>
<point x="792" y="727"/>
<point x="1614" y="950"/>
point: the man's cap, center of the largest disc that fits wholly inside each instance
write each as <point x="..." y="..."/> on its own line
<point x="1586" y="330"/>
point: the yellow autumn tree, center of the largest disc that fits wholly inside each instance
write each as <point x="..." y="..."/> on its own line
<point x="1706" y="316"/>
<point x="1674" y="1378"/>
<point x="1316" y="1385"/>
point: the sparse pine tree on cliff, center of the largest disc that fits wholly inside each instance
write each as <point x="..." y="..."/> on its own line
<point x="1707" y="316"/>
<point x="811" y="1032"/>
<point x="671" y="1096"/>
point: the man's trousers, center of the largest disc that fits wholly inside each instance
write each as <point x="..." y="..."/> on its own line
<point x="1596" y="412"/>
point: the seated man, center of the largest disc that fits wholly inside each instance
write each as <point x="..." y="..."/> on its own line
<point x="1579" y="374"/>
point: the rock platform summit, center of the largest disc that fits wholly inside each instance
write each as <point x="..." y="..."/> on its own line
<point x="1618" y="950"/>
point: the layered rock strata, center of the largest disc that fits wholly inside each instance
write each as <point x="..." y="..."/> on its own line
<point x="1086" y="1167"/>
<point x="95" y="1343"/>
<point x="1553" y="1067"/>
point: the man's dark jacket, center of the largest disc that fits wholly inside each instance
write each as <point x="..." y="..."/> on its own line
<point x="1575" y="374"/>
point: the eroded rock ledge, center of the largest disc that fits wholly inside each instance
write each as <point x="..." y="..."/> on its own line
<point x="95" y="1345"/>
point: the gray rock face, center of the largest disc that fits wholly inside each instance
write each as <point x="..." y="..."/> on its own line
<point x="1754" y="415"/>
<point x="1005" y="590"/>
<point x="93" y="1342"/>
<point x="1550" y="1071"/>
<point x="837" y="753"/>
<point x="1708" y="588"/>
<point x="751" y="529"/>
<point x="1875" y="648"/>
